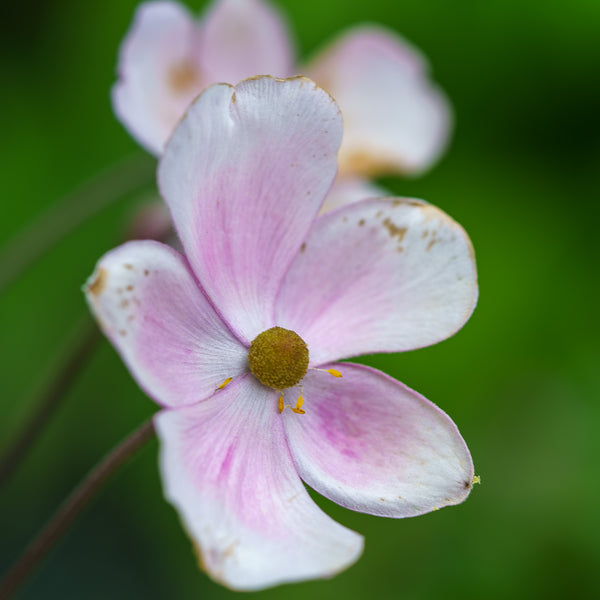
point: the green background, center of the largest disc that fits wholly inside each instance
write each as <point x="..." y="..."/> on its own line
<point x="521" y="379"/>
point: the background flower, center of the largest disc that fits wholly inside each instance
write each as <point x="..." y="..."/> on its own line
<point x="521" y="378"/>
<point x="395" y="119"/>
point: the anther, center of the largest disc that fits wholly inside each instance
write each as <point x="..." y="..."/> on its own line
<point x="333" y="372"/>
<point x="298" y="410"/>
<point x="226" y="382"/>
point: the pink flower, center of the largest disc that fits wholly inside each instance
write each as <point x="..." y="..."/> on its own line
<point x="396" y="120"/>
<point x="231" y="338"/>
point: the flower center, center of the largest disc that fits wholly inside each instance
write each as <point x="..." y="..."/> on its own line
<point x="278" y="358"/>
<point x="183" y="77"/>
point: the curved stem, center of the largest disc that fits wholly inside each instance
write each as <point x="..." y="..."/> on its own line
<point x="80" y="348"/>
<point x="61" y="218"/>
<point x="72" y="507"/>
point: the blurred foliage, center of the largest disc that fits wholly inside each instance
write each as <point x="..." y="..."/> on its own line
<point x="520" y="380"/>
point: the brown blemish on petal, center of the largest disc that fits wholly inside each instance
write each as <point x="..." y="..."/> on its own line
<point x="124" y="303"/>
<point x="122" y="332"/>
<point x="184" y="77"/>
<point x="215" y="558"/>
<point x="408" y="202"/>
<point x="425" y="234"/>
<point x="431" y="244"/>
<point x="431" y="213"/>
<point x="198" y="554"/>
<point x="97" y="286"/>
<point x="129" y="288"/>
<point x="361" y="222"/>
<point x="146" y="272"/>
<point x="303" y="247"/>
<point x="394" y="230"/>
<point x="128" y="267"/>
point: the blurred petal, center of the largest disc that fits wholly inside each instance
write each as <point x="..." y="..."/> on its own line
<point x="382" y="275"/>
<point x="371" y="444"/>
<point x="395" y="119"/>
<point x="151" y="221"/>
<point x="242" y="38"/>
<point x="227" y="469"/>
<point x="151" y="308"/>
<point x="348" y="190"/>
<point x="244" y="175"/>
<point x="159" y="72"/>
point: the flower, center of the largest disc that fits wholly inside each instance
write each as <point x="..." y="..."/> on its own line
<point x="396" y="120"/>
<point x="239" y="340"/>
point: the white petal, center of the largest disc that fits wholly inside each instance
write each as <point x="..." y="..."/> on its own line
<point x="159" y="72"/>
<point x="372" y="445"/>
<point x="348" y="190"/>
<point x="244" y="175"/>
<point x="243" y="38"/>
<point x="151" y="308"/>
<point x="227" y="469"/>
<point x="395" y="119"/>
<point x="382" y="275"/>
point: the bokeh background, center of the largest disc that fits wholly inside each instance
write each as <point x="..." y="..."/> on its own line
<point x="521" y="379"/>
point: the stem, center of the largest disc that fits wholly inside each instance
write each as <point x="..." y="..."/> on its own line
<point x="60" y="219"/>
<point x="79" y="351"/>
<point x="71" y="508"/>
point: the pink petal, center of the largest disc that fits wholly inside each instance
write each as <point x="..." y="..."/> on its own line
<point x="151" y="308"/>
<point x="152" y="221"/>
<point x="159" y="72"/>
<point x="371" y="444"/>
<point x="227" y="469"/>
<point x="381" y="275"/>
<point x="347" y="190"/>
<point x="244" y="176"/>
<point x="243" y="38"/>
<point x="395" y="119"/>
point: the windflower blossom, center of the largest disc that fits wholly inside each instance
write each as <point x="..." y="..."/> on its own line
<point x="239" y="341"/>
<point x="396" y="119"/>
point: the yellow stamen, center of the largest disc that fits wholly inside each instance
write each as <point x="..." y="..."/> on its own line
<point x="334" y="372"/>
<point x="298" y="410"/>
<point x="226" y="382"/>
<point x="476" y="479"/>
<point x="280" y="405"/>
